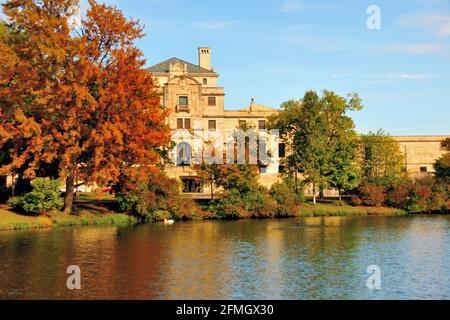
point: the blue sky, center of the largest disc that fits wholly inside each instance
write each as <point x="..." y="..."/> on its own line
<point x="274" y="50"/>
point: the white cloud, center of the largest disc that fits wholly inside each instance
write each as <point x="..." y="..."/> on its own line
<point x="341" y="75"/>
<point x="408" y="76"/>
<point x="423" y="48"/>
<point x="376" y="78"/>
<point x="213" y="25"/>
<point x="291" y="6"/>
<point x="436" y="23"/>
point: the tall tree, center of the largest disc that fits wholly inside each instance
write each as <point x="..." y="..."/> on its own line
<point x="381" y="160"/>
<point x="77" y="96"/>
<point x="342" y="172"/>
<point x="315" y="129"/>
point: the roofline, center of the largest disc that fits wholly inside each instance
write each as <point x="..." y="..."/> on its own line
<point x="164" y="74"/>
<point x="206" y="70"/>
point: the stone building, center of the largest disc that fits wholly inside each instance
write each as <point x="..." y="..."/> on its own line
<point x="197" y="104"/>
<point x="196" y="107"/>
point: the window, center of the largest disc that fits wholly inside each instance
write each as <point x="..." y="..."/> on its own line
<point x="262" y="169"/>
<point x="187" y="123"/>
<point x="183" y="101"/>
<point x="423" y="169"/>
<point x="281" y="150"/>
<point x="242" y="124"/>
<point x="262" y="124"/>
<point x="191" y="185"/>
<point x="212" y="125"/>
<point x="211" y="101"/>
<point x="205" y="80"/>
<point x="180" y="123"/>
<point x="184" y="152"/>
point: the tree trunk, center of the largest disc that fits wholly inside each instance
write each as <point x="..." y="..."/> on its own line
<point x="68" y="200"/>
<point x="340" y="197"/>
<point x="321" y="193"/>
<point x="314" y="193"/>
<point x="13" y="186"/>
<point x="76" y="182"/>
<point x="212" y="191"/>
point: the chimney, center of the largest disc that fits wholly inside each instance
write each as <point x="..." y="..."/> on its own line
<point x="204" y="58"/>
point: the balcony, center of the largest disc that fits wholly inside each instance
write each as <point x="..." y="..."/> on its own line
<point x="183" y="108"/>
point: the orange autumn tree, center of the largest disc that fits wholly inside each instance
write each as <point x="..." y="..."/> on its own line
<point x="78" y="97"/>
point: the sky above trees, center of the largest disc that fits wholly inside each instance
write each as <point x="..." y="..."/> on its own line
<point x="275" y="50"/>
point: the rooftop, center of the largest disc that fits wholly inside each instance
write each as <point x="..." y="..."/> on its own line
<point x="164" y="66"/>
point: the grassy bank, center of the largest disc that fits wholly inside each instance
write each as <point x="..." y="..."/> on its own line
<point x="334" y="209"/>
<point x="90" y="209"/>
<point x="12" y="221"/>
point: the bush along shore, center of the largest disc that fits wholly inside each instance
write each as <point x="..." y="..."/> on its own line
<point x="157" y="198"/>
<point x="40" y="208"/>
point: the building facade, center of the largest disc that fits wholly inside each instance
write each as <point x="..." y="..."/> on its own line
<point x="196" y="105"/>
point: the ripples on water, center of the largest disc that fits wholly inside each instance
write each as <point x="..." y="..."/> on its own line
<point x="323" y="258"/>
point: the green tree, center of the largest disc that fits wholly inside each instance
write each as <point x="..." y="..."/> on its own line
<point x="344" y="173"/>
<point x="241" y="177"/>
<point x="442" y="165"/>
<point x="318" y="131"/>
<point x="210" y="174"/>
<point x="381" y="160"/>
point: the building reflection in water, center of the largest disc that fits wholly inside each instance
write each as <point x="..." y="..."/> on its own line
<point x="323" y="258"/>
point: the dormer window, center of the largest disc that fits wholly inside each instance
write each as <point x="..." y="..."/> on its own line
<point x="183" y="101"/>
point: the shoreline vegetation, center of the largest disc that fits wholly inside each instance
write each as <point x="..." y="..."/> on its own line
<point x="91" y="210"/>
<point x="10" y="220"/>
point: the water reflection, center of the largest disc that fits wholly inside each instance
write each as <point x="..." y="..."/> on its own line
<point x="323" y="258"/>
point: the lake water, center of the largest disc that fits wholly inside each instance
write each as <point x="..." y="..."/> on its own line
<point x="323" y="258"/>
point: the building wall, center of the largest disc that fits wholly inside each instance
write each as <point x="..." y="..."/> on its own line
<point x="421" y="152"/>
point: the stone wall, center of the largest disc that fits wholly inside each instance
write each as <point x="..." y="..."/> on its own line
<point x="420" y="153"/>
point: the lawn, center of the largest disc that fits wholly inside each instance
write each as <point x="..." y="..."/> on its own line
<point x="90" y="209"/>
<point x="334" y="209"/>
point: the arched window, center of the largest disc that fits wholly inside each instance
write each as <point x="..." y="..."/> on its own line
<point x="184" y="154"/>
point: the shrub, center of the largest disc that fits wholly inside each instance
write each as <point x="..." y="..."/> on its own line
<point x="228" y="205"/>
<point x="355" y="200"/>
<point x="153" y="198"/>
<point x="258" y="204"/>
<point x="287" y="200"/>
<point x="372" y="194"/>
<point x="421" y="196"/>
<point x="44" y="197"/>
<point x="161" y="215"/>
<point x="399" y="197"/>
